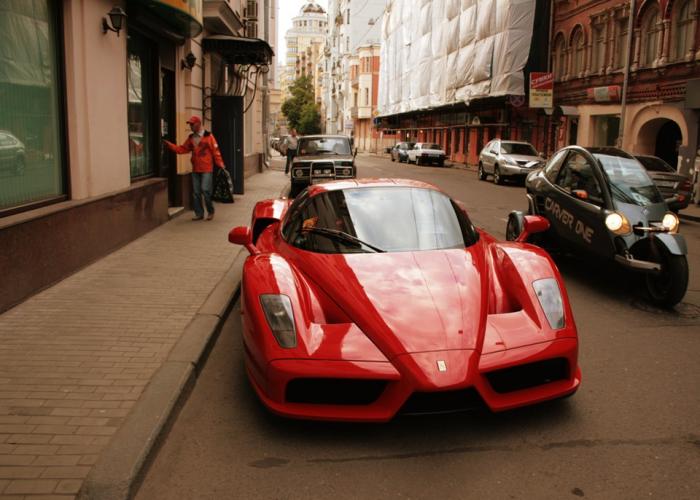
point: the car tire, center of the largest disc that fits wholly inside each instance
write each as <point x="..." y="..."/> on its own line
<point x="667" y="288"/>
<point x="441" y="163"/>
<point x="20" y="166"/>
<point x="392" y="157"/>
<point x="419" y="161"/>
<point x="497" y="178"/>
<point x="482" y="174"/>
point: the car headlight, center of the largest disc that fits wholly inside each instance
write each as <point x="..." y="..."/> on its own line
<point x="617" y="223"/>
<point x="510" y="161"/>
<point x="549" y="295"/>
<point x="670" y="222"/>
<point x="280" y="318"/>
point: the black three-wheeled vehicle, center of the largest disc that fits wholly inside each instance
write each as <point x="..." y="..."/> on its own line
<point x="602" y="202"/>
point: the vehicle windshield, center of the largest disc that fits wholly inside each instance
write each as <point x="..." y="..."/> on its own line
<point x="629" y="182"/>
<point x="377" y="219"/>
<point x="430" y="146"/>
<point x="653" y="164"/>
<point x="324" y="146"/>
<point x="511" y="148"/>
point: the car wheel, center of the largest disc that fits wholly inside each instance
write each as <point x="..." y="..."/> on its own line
<point x="392" y="157"/>
<point x="482" y="174"/>
<point x="514" y="227"/>
<point x="441" y="163"/>
<point x="497" y="179"/>
<point x="667" y="288"/>
<point x="20" y="166"/>
<point x="419" y="161"/>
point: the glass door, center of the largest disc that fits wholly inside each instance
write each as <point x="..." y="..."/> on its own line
<point x="141" y="99"/>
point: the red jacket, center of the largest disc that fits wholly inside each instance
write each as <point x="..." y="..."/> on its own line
<point x="204" y="155"/>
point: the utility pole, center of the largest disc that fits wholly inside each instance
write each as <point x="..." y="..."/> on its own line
<point x="625" y="83"/>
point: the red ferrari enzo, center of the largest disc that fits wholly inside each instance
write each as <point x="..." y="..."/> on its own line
<point x="363" y="299"/>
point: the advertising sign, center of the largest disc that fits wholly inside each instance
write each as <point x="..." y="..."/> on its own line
<point x="604" y="94"/>
<point x="541" y="90"/>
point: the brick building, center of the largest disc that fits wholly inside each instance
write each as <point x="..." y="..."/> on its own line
<point x="589" y="48"/>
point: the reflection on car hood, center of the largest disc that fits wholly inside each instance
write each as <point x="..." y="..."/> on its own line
<point x="642" y="215"/>
<point x="519" y="158"/>
<point x="406" y="302"/>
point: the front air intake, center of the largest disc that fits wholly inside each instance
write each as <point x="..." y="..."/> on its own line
<point x="442" y="402"/>
<point x="527" y="376"/>
<point x="334" y="391"/>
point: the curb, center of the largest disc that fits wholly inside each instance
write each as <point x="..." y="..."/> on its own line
<point x="688" y="217"/>
<point x="122" y="465"/>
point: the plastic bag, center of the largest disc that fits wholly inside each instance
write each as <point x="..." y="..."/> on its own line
<point x="223" y="187"/>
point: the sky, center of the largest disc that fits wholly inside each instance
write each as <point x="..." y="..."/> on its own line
<point x="287" y="9"/>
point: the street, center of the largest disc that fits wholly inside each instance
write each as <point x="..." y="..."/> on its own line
<point x="631" y="431"/>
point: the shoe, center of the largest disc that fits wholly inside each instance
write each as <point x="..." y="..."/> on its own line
<point x="198" y="217"/>
<point x="210" y="216"/>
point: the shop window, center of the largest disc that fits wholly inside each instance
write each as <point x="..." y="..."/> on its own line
<point x="683" y="30"/>
<point x="140" y="76"/>
<point x="651" y="37"/>
<point x="31" y="133"/>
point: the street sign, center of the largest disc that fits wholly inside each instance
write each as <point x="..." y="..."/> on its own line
<point x="541" y="90"/>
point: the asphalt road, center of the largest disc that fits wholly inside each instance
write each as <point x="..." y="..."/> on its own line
<point x="631" y="431"/>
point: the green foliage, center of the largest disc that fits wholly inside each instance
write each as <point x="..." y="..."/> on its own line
<point x="300" y="109"/>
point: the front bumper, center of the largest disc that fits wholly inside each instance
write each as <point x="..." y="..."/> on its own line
<point x="514" y="171"/>
<point x="466" y="373"/>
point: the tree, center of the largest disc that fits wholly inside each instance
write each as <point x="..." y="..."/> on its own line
<point x="300" y="109"/>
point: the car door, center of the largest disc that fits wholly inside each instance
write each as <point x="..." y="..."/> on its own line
<point x="484" y="157"/>
<point x="576" y="207"/>
<point x="492" y="155"/>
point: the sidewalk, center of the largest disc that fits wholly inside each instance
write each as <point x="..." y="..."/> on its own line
<point x="691" y="213"/>
<point x="91" y="368"/>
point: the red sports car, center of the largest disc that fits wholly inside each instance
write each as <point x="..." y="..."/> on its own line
<point x="363" y="299"/>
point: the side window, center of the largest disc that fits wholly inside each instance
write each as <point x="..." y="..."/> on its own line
<point x="495" y="147"/>
<point x="554" y="165"/>
<point x="577" y="174"/>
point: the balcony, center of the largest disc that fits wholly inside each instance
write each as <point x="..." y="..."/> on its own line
<point x="219" y="17"/>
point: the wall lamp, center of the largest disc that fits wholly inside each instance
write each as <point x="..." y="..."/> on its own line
<point x="117" y="16"/>
<point x="188" y="62"/>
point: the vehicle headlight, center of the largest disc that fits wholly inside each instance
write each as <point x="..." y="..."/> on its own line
<point x="280" y="318"/>
<point x="670" y="222"/>
<point x="617" y="223"/>
<point x="347" y="171"/>
<point x="549" y="295"/>
<point x="298" y="172"/>
<point x="510" y="161"/>
<point x="326" y="170"/>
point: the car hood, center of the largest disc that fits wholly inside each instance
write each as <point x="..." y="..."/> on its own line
<point x="323" y="158"/>
<point x="525" y="158"/>
<point x="407" y="302"/>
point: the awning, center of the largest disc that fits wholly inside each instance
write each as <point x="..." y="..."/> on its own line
<point x="184" y="18"/>
<point x="239" y="50"/>
<point x="562" y="111"/>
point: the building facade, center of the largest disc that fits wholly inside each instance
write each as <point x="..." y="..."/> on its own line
<point x="364" y="78"/>
<point x="305" y="40"/>
<point x="86" y="99"/>
<point x="589" y="56"/>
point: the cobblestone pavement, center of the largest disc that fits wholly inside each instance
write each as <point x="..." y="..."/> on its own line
<point x="75" y="358"/>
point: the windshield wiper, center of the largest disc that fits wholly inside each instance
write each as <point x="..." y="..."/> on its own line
<point x="341" y="236"/>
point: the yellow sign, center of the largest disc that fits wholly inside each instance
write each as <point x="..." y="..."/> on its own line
<point x="192" y="8"/>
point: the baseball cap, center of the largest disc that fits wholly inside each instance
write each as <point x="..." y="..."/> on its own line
<point x="194" y="119"/>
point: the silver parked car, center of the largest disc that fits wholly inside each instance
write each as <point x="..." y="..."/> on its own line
<point x="677" y="189"/>
<point x="508" y="159"/>
<point x="11" y="153"/>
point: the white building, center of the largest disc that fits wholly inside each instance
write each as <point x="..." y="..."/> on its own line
<point x="307" y="35"/>
<point x="350" y="26"/>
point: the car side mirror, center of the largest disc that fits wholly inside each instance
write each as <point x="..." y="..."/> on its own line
<point x="520" y="227"/>
<point x="241" y="235"/>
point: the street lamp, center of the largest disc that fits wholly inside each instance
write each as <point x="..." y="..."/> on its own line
<point x="117" y="16"/>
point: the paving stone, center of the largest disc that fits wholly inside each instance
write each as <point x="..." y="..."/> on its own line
<point x="31" y="487"/>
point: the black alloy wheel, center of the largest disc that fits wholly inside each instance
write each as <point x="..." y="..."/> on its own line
<point x="667" y="288"/>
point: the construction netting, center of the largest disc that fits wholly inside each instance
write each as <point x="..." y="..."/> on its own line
<point x="438" y="52"/>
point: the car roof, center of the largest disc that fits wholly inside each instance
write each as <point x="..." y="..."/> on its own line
<point x="368" y="182"/>
<point x="609" y="151"/>
<point x="321" y="136"/>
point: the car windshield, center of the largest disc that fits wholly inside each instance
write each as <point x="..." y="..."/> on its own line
<point x="629" y="182"/>
<point x="324" y="146"/>
<point x="511" y="148"/>
<point x="378" y="219"/>
<point x="653" y="164"/>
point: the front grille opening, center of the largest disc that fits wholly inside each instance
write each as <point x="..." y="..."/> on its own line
<point x="334" y="391"/>
<point x="530" y="375"/>
<point x="442" y="402"/>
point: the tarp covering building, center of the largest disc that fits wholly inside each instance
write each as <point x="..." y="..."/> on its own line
<point x="440" y="52"/>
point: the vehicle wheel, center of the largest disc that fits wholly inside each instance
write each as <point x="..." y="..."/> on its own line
<point x="20" y="166"/>
<point x="482" y="174"/>
<point x="419" y="161"/>
<point x="497" y="179"/>
<point x="667" y="288"/>
<point x="392" y="158"/>
<point x="514" y="226"/>
<point x="441" y="163"/>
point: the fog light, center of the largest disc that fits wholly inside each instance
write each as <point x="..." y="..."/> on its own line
<point x="670" y="222"/>
<point x="298" y="173"/>
<point x="617" y="223"/>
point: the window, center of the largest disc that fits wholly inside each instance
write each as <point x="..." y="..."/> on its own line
<point x="578" y="48"/>
<point x="606" y="128"/>
<point x="559" y="57"/>
<point x="683" y="30"/>
<point x="598" y="59"/>
<point x="31" y="146"/>
<point x="651" y="37"/>
<point x="366" y="97"/>
<point x="577" y="175"/>
<point x="551" y="171"/>
<point x="621" y="43"/>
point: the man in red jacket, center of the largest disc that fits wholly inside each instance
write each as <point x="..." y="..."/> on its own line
<point x="205" y="154"/>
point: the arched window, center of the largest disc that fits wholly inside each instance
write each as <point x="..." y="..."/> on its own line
<point x="651" y="37"/>
<point x="598" y="56"/>
<point x="578" y="53"/>
<point x="683" y="29"/>
<point x="559" y="57"/>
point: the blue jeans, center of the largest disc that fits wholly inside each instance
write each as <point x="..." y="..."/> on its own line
<point x="201" y="185"/>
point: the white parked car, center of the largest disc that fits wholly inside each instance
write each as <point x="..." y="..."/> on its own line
<point x="426" y="152"/>
<point x="508" y="159"/>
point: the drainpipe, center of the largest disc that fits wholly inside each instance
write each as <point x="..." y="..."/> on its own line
<point x="266" y="92"/>
<point x="625" y="83"/>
